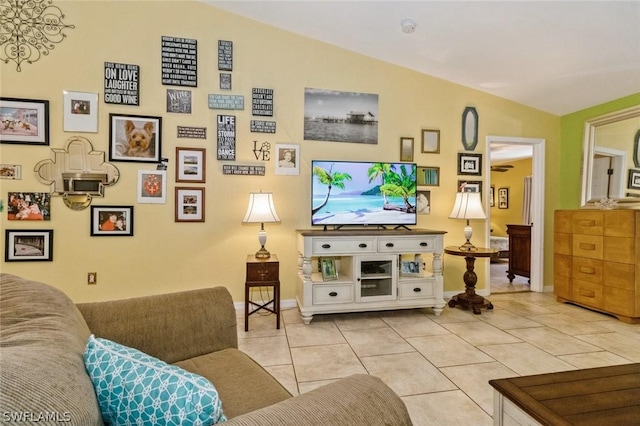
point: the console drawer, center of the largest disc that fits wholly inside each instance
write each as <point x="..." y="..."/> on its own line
<point x="355" y="245"/>
<point x="416" y="290"/>
<point x="329" y="294"/>
<point x="418" y="244"/>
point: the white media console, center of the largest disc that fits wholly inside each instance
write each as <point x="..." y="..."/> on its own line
<point x="368" y="273"/>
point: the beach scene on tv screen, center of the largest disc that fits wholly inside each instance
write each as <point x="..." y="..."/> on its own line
<point x="361" y="193"/>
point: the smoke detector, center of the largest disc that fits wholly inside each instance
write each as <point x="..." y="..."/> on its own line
<point x="408" y="26"/>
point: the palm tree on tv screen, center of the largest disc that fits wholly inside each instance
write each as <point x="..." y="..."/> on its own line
<point x="331" y="179"/>
<point x="381" y="170"/>
<point x="400" y="185"/>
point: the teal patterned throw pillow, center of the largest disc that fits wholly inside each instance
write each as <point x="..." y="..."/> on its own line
<point x="137" y="389"/>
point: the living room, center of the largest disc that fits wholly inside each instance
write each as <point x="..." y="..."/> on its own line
<point x="163" y="254"/>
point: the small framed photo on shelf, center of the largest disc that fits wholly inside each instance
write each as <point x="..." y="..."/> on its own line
<point x="406" y="149"/>
<point x="328" y="269"/>
<point x="503" y="198"/>
<point x="189" y="205"/>
<point x="152" y="186"/>
<point x="191" y="165"/>
<point x="634" y="179"/>
<point x="428" y="176"/>
<point x="28" y="245"/>
<point x="469" y="164"/>
<point x="111" y="221"/>
<point x="409" y="268"/>
<point x="80" y="112"/>
<point x="24" y="121"/>
<point x="430" y="141"/>
<point x="135" y="138"/>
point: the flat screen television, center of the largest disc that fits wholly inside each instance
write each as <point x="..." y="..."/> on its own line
<point x="363" y="193"/>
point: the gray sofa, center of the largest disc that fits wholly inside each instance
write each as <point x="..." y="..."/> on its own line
<point x="43" y="335"/>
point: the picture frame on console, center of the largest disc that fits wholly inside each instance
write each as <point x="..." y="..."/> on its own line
<point x="328" y="269"/>
<point x="409" y="268"/>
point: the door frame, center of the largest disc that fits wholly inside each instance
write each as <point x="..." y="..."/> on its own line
<point x="537" y="203"/>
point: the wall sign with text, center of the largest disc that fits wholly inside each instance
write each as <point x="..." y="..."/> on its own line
<point x="225" y="55"/>
<point x="121" y="84"/>
<point x="179" y="61"/>
<point x="262" y="102"/>
<point x="226" y="137"/>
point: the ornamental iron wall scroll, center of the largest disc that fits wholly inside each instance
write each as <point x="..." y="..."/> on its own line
<point x="29" y="29"/>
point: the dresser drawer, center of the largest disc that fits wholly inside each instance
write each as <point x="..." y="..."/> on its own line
<point x="262" y="271"/>
<point x="620" y="301"/>
<point x="620" y="223"/>
<point x="587" y="293"/>
<point x="329" y="294"/>
<point x="355" y="245"/>
<point x="619" y="249"/>
<point x="584" y="269"/>
<point x="562" y="243"/>
<point x="587" y="222"/>
<point x="587" y="246"/>
<point x="416" y="290"/>
<point x="619" y="275"/>
<point x="419" y="244"/>
<point x="562" y="286"/>
<point x="562" y="265"/>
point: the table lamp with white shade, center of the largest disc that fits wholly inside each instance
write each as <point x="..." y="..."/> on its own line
<point x="468" y="205"/>
<point x="261" y="210"/>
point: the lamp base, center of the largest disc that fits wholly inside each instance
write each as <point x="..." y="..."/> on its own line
<point x="263" y="253"/>
<point x="467" y="246"/>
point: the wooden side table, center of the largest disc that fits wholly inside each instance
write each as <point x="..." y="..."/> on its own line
<point x="469" y="299"/>
<point x="262" y="273"/>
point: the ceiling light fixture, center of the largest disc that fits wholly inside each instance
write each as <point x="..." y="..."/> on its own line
<point x="408" y="26"/>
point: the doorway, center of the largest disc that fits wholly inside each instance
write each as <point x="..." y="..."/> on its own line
<point x="536" y="148"/>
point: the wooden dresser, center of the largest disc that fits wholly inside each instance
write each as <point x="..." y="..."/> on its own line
<point x="596" y="260"/>
<point x="519" y="251"/>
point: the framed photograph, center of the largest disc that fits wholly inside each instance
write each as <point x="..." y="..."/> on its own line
<point x="428" y="176"/>
<point x="112" y="221"/>
<point x="288" y="159"/>
<point x="328" y="268"/>
<point x="634" y="179"/>
<point x="409" y="268"/>
<point x="406" y="149"/>
<point x="423" y="201"/>
<point x="503" y="198"/>
<point x="470" y="186"/>
<point x="80" y="112"/>
<point x="152" y="186"/>
<point x="10" y="171"/>
<point x="189" y="205"/>
<point x="135" y="138"/>
<point x="24" y="121"/>
<point x="191" y="165"/>
<point x="29" y="206"/>
<point x="492" y="198"/>
<point x="469" y="164"/>
<point x="430" y="141"/>
<point x="28" y="245"/>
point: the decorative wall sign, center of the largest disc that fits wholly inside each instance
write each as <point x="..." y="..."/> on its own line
<point x="263" y="152"/>
<point x="226" y="102"/>
<point x="121" y="84"/>
<point x="225" y="55"/>
<point x="179" y="61"/>
<point x="24" y="121"/>
<point x="261" y="126"/>
<point x="233" y="169"/>
<point x="262" y="102"/>
<point x="80" y="112"/>
<point x="226" y="137"/>
<point x="30" y="29"/>
<point x="225" y="81"/>
<point x="179" y="101"/>
<point x="469" y="128"/>
<point x="192" y="132"/>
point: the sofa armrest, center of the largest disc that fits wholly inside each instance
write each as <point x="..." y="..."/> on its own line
<point x="172" y="327"/>
<point x="356" y="400"/>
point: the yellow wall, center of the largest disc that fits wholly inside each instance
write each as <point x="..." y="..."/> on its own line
<point x="164" y="256"/>
<point x="514" y="181"/>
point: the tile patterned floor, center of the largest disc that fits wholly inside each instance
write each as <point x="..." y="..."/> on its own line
<point x="441" y="365"/>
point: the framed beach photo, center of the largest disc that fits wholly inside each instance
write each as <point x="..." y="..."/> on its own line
<point x="28" y="245"/>
<point x="191" y="165"/>
<point x="189" y="205"/>
<point x="430" y="141"/>
<point x="112" y="221"/>
<point x="80" y="112"/>
<point x="152" y="186"/>
<point x="24" y="121"/>
<point x="328" y="269"/>
<point x="406" y="149"/>
<point x="469" y="164"/>
<point x="135" y="138"/>
<point x="287" y="159"/>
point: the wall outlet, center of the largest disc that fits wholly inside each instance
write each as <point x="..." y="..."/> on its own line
<point x="92" y="278"/>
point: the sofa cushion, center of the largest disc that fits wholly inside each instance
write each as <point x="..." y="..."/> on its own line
<point x="242" y="383"/>
<point x="133" y="386"/>
<point x="42" y="339"/>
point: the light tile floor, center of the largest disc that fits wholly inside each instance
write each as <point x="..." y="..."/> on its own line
<point x="440" y="365"/>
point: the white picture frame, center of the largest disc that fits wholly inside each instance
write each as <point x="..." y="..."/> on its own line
<point x="287" y="159"/>
<point x="152" y="186"/>
<point x="80" y="112"/>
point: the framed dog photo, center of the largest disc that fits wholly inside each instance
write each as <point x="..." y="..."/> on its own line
<point x="152" y="186"/>
<point x="135" y="138"/>
<point x="80" y="112"/>
<point x="189" y="205"/>
<point x="112" y="221"/>
<point x="24" y="121"/>
<point x="28" y="245"/>
<point x="191" y="165"/>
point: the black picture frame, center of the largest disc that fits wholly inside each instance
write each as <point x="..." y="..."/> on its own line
<point x="135" y="138"/>
<point x="634" y="179"/>
<point x="503" y="198"/>
<point x="469" y="164"/>
<point x="24" y="121"/>
<point x="111" y="221"/>
<point x="28" y="245"/>
<point x="470" y="186"/>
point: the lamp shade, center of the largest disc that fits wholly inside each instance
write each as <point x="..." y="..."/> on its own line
<point x="261" y="208"/>
<point x="467" y="206"/>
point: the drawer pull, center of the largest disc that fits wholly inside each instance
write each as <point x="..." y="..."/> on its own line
<point x="362" y="245"/>
<point x="333" y="294"/>
<point x="423" y="244"/>
<point x="587" y="270"/>
<point x="587" y="222"/>
<point x="586" y="246"/>
<point x="389" y="244"/>
<point x="587" y="293"/>
<point x="417" y="289"/>
<point x="326" y="246"/>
